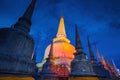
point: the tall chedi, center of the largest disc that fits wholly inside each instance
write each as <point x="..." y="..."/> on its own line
<point x="48" y="67"/>
<point x="81" y="68"/>
<point x="16" y="47"/>
<point x="97" y="66"/>
<point x="62" y="46"/>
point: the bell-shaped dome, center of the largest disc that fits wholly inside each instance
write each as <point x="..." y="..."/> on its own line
<point x="62" y="52"/>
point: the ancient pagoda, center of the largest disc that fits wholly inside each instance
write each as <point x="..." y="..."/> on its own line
<point x="97" y="65"/>
<point x="16" y="47"/>
<point x="81" y="67"/>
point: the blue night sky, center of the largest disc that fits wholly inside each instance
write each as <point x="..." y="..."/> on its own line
<point x="100" y="19"/>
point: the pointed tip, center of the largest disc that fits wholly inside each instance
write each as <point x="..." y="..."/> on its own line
<point x="33" y="1"/>
<point x="89" y="45"/>
<point x="88" y="39"/>
<point x="76" y="28"/>
<point x="62" y="16"/>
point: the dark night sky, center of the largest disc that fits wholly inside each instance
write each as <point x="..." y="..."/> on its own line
<point x="100" y="19"/>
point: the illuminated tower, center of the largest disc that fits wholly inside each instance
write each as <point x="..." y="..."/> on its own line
<point x="80" y="66"/>
<point x="16" y="46"/>
<point x="48" y="67"/>
<point x="61" y="46"/>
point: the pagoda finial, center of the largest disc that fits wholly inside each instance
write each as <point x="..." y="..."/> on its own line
<point x="61" y="30"/>
<point x="92" y="58"/>
<point x="24" y="22"/>
<point x="78" y="42"/>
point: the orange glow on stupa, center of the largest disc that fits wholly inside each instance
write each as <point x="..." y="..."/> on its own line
<point x="62" y="46"/>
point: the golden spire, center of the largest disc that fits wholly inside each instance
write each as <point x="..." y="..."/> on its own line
<point x="61" y="30"/>
<point x="61" y="34"/>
